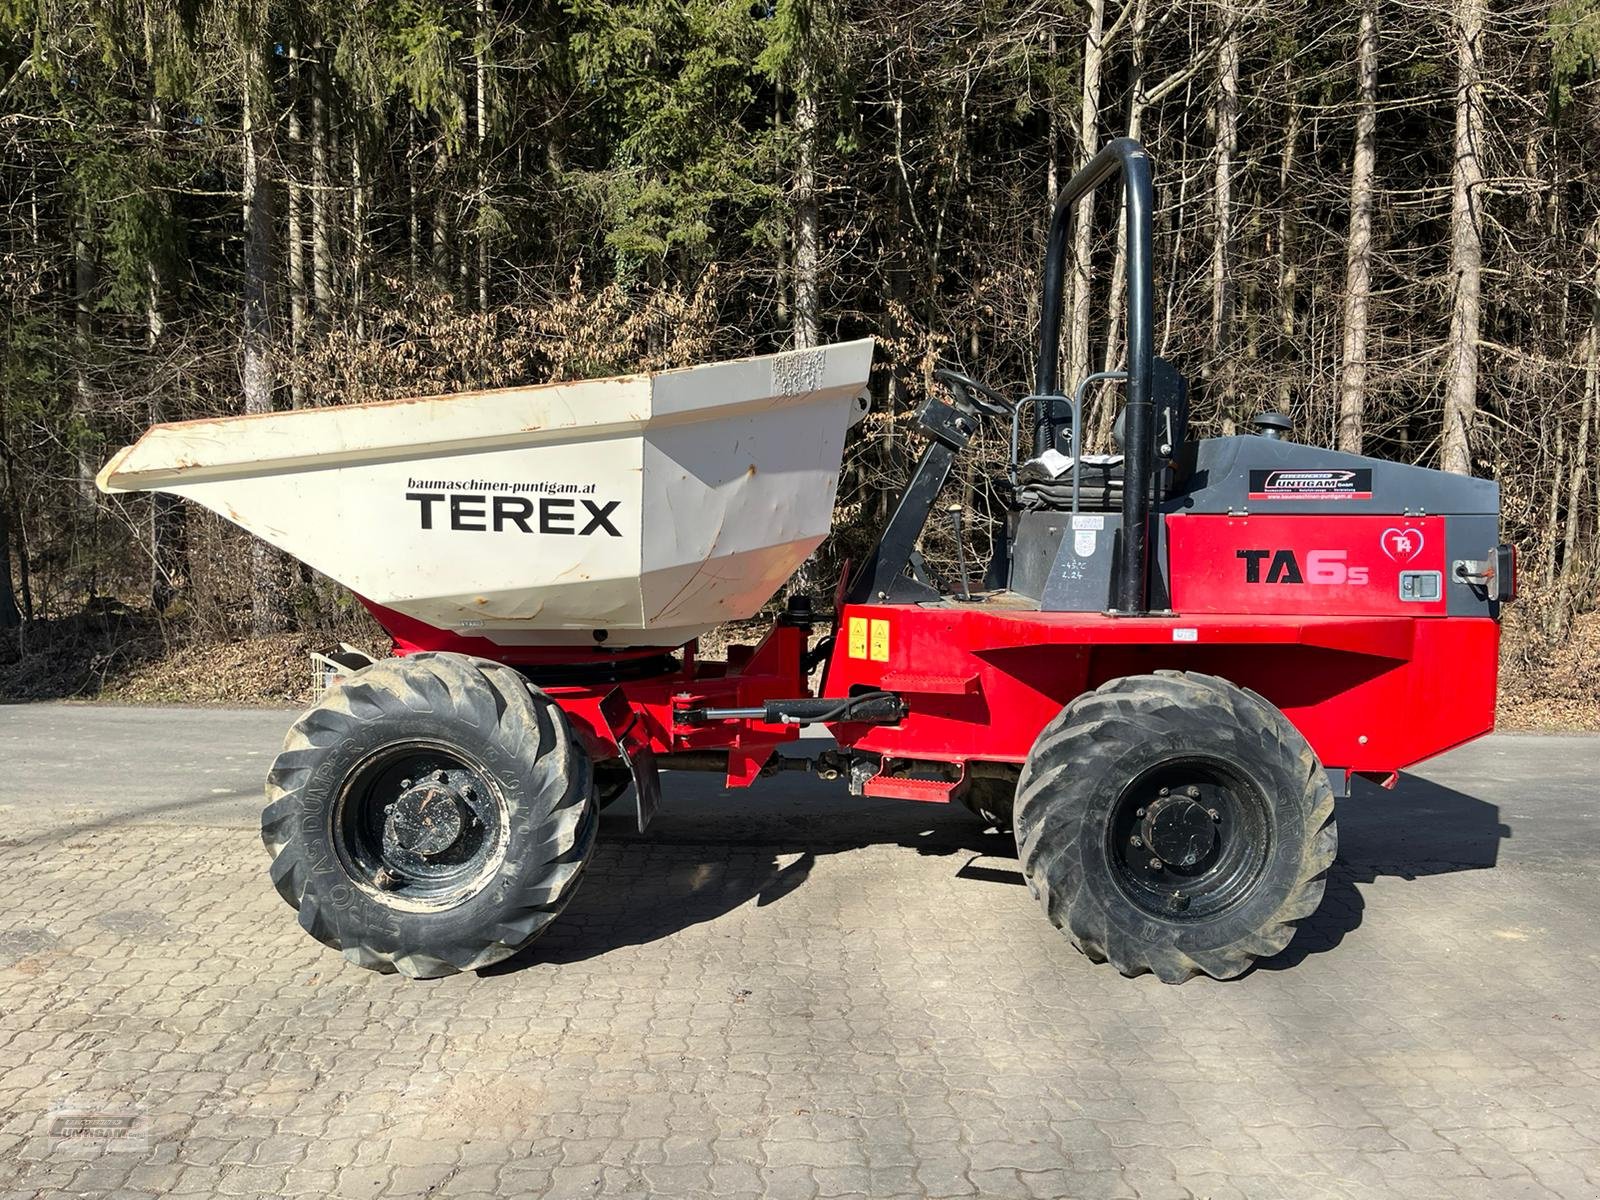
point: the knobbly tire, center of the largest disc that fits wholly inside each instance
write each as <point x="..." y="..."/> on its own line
<point x="433" y="814"/>
<point x="1175" y="823"/>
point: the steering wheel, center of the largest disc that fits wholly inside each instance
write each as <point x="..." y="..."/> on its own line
<point x="980" y="395"/>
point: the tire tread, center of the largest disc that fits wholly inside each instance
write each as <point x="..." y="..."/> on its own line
<point x="1082" y="744"/>
<point x="478" y="693"/>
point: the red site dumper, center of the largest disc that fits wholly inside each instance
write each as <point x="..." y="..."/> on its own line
<point x="1169" y="672"/>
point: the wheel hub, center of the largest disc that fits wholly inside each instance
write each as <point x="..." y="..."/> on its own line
<point x="1179" y="830"/>
<point x="427" y="819"/>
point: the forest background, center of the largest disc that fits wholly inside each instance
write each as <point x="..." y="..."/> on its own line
<point x="1379" y="217"/>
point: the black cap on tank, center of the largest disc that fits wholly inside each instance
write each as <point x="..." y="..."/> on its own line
<point x="1272" y="425"/>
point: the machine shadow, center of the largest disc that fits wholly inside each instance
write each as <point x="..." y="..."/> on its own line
<point x="710" y="853"/>
<point x="1420" y="828"/>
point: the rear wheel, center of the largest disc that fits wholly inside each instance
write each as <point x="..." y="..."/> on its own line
<point x="1175" y="823"/>
<point x="432" y="815"/>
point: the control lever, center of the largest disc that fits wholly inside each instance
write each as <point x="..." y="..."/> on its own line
<point x="961" y="552"/>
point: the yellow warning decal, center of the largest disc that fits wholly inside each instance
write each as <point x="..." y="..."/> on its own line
<point x="858" y="637"/>
<point x="880" y="641"/>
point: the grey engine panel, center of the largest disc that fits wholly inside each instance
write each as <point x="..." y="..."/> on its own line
<point x="1218" y="481"/>
<point x="1067" y="573"/>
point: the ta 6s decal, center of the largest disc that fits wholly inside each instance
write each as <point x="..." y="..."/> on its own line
<point x="1272" y="564"/>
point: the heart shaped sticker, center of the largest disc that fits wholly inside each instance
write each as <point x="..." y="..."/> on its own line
<point x="1402" y="545"/>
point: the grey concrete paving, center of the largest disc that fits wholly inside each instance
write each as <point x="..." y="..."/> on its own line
<point x="785" y="993"/>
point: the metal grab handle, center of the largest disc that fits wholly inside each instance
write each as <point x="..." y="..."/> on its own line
<point x="1077" y="430"/>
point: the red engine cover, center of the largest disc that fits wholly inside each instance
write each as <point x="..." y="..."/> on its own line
<point x="1327" y="565"/>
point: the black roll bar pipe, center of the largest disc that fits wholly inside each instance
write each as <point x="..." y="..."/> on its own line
<point x="1127" y="158"/>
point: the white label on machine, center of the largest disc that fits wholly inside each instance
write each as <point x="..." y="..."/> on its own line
<point x="1186" y="635"/>
<point x="1089" y="521"/>
<point x="1083" y="543"/>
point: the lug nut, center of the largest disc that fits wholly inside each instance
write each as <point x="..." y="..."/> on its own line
<point x="405" y="784"/>
<point x="1194" y="793"/>
<point x="1134" y="840"/>
<point x="1213" y="814"/>
<point x="1140" y="813"/>
<point x="1164" y="791"/>
<point x="1155" y="864"/>
<point x="385" y="879"/>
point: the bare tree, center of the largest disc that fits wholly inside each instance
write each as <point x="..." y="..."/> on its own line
<point x="10" y="615"/>
<point x="1358" y="244"/>
<point x="296" y="281"/>
<point x="1094" y="51"/>
<point x="269" y="604"/>
<point x="481" y="71"/>
<point x="1226" y="117"/>
<point x="807" y="217"/>
<point x="321" y="180"/>
<point x="83" y="402"/>
<point x="1288" y="238"/>
<point x="168" y="520"/>
<point x="1589" y="406"/>
<point x="1466" y="246"/>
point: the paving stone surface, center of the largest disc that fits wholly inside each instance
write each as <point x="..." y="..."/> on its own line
<point x="785" y="993"/>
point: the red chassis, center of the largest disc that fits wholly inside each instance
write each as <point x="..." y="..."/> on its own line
<point x="1372" y="694"/>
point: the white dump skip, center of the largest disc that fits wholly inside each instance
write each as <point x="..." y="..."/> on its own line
<point x="653" y="507"/>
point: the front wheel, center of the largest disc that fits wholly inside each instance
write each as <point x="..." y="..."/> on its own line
<point x="1176" y="824"/>
<point x="432" y="815"/>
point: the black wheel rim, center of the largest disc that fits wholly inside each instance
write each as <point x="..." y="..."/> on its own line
<point x="1189" y="838"/>
<point x="420" y="825"/>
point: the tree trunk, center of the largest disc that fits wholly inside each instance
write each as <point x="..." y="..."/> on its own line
<point x="1466" y="247"/>
<point x="807" y="323"/>
<point x="1547" y="536"/>
<point x="1288" y="244"/>
<point x="1358" y="245"/>
<point x="267" y="586"/>
<point x="10" y="616"/>
<point x="441" y="229"/>
<point x="83" y="285"/>
<point x="296" y="234"/>
<point x="413" y="211"/>
<point x="169" y="556"/>
<point x="1083" y="227"/>
<point x="1052" y="176"/>
<point x="18" y="540"/>
<point x="1099" y="437"/>
<point x="358" y="222"/>
<point x="321" y="176"/>
<point x="482" y="71"/>
<point x="1576" y="483"/>
<point x="1222" y="372"/>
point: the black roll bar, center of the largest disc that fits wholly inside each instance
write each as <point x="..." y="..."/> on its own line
<point x="1127" y="158"/>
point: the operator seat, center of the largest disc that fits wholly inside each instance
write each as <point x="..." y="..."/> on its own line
<point x="1044" y="483"/>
